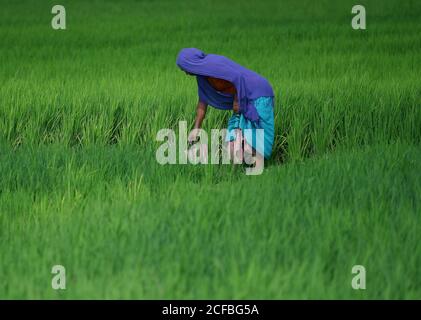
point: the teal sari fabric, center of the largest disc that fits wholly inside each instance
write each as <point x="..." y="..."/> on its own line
<point x="261" y="142"/>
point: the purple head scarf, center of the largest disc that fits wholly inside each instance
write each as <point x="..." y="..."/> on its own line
<point x="248" y="84"/>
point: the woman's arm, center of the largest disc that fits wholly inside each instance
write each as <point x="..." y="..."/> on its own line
<point x="235" y="105"/>
<point x="200" y="115"/>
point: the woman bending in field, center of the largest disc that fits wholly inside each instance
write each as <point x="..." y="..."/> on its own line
<point x="226" y="85"/>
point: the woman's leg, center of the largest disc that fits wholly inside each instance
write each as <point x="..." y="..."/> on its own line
<point x="254" y="159"/>
<point x="236" y="147"/>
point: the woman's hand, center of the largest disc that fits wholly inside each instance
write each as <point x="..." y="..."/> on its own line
<point x="192" y="138"/>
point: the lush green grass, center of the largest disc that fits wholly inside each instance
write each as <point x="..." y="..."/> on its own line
<point x="80" y="186"/>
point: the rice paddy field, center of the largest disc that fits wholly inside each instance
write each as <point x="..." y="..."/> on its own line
<point x="80" y="185"/>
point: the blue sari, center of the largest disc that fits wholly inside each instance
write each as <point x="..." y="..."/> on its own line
<point x="261" y="141"/>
